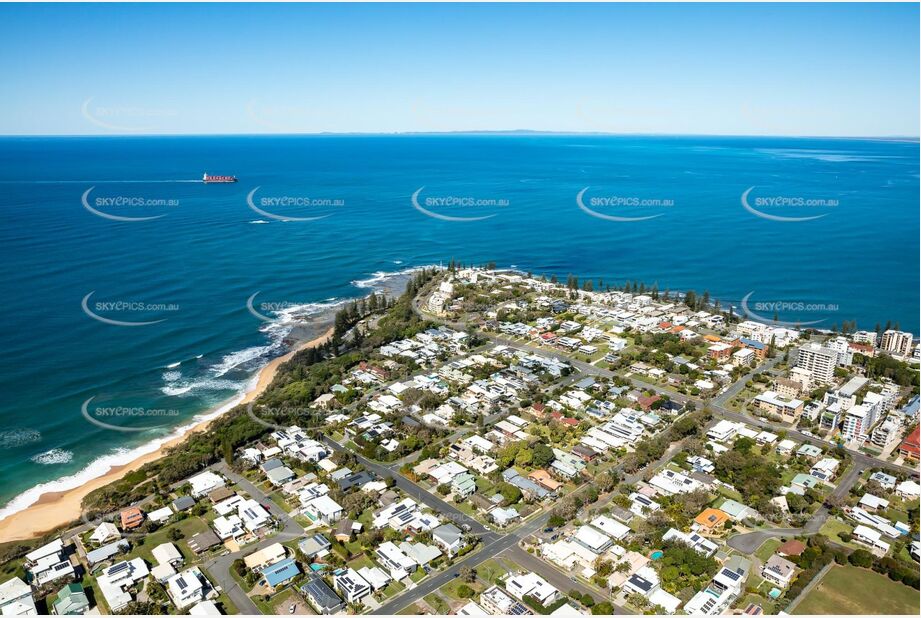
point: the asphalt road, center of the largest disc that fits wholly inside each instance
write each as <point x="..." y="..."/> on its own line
<point x="749" y="542"/>
<point x="219" y="567"/>
<point x="494" y="543"/>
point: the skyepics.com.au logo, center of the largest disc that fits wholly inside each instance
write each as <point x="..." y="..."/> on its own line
<point x="263" y="310"/>
<point x="273" y="207"/>
<point x="128" y="419"/>
<point x="112" y="311"/>
<point x="621" y="207"/>
<point x="122" y="118"/>
<point x="769" y="311"/>
<point x="796" y="208"/>
<point x="458" y="208"/>
<point x="106" y="207"/>
<point x="280" y="417"/>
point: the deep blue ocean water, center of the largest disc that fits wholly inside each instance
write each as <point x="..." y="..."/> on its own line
<point x="196" y="266"/>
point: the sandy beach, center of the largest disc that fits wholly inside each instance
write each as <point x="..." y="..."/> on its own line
<point x="56" y="509"/>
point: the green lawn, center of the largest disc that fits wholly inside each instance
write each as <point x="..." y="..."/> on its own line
<point x="851" y="590"/>
<point x="393" y="588"/>
<point x="450" y="589"/>
<point x="832" y="527"/>
<point x="189" y="527"/>
<point x="361" y="562"/>
<point x="417" y="576"/>
<point x="766" y="550"/>
<point x="757" y="599"/>
<point x="491" y="570"/>
<point x="412" y="610"/>
<point x="437" y="603"/>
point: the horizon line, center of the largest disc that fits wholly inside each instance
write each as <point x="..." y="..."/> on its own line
<point x="499" y="132"/>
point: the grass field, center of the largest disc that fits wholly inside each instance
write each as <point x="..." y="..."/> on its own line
<point x="851" y="590"/>
<point x="767" y="549"/>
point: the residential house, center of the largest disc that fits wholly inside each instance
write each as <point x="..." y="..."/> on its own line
<point x="203" y="541"/>
<point x="131" y="518"/>
<point x="49" y="562"/>
<point x="324" y="509"/>
<point x="16" y="598"/>
<point x="104" y="532"/>
<point x="280" y="573"/>
<point x="322" y="597"/>
<point x="498" y="603"/>
<point x="205" y="483"/>
<point x="449" y="537"/>
<point x="116" y="581"/>
<point x="316" y="546"/>
<point x="265" y="557"/>
<point x="532" y="585"/>
<point x="189" y="588"/>
<point x="778" y="571"/>
<point x="351" y="585"/>
<point x="69" y="601"/>
<point x="710" y="521"/>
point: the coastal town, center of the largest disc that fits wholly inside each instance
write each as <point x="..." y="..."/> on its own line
<point x="500" y="443"/>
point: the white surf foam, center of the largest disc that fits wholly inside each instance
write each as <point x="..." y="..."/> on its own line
<point x="203" y="384"/>
<point x="54" y="456"/>
<point x="118" y="457"/>
<point x="11" y="438"/>
<point x="277" y="330"/>
<point x="381" y="276"/>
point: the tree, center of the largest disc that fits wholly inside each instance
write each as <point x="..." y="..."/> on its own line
<point x="603" y="609"/>
<point x="555" y="521"/>
<point x="468" y="574"/>
<point x="524" y="457"/>
<point x="861" y="558"/>
<point x="542" y="455"/>
<point x="510" y="493"/>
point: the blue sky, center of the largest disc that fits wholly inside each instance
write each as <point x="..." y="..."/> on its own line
<point x="784" y="69"/>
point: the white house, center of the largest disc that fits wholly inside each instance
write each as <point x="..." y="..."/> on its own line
<point x="533" y="585"/>
<point x="16" y="598"/>
<point x="324" y="509"/>
<point x="205" y="482"/>
<point x="187" y="588"/>
<point x="351" y="586"/>
<point x="104" y="532"/>
<point x="871" y="538"/>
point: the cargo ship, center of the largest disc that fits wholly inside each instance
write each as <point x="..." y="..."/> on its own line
<point x="207" y="178"/>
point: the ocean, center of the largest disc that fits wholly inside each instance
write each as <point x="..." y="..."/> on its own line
<point x="137" y="298"/>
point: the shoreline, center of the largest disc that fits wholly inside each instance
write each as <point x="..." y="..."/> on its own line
<point x="55" y="509"/>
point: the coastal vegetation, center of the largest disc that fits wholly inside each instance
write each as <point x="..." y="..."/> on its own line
<point x="298" y="382"/>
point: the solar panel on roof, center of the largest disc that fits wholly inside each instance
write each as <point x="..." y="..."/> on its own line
<point x="118" y="568"/>
<point x="731" y="575"/>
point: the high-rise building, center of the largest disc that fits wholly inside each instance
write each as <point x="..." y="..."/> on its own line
<point x="896" y="342"/>
<point x="819" y="361"/>
<point x="842" y="347"/>
<point x="857" y="422"/>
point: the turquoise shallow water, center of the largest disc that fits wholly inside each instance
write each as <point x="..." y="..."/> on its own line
<point x="196" y="265"/>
